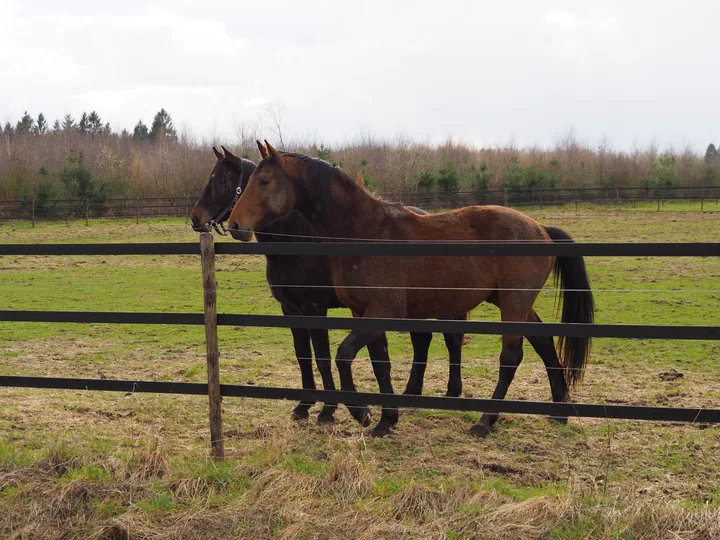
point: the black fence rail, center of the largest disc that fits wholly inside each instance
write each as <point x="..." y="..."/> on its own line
<point x="211" y="319"/>
<point x="704" y="197"/>
<point x="73" y="209"/>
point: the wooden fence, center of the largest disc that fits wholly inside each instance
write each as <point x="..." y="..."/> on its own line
<point x="207" y="251"/>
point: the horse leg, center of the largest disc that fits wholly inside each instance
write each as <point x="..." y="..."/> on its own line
<point x="380" y="359"/>
<point x="514" y="307"/>
<point x="545" y="348"/>
<point x="421" y="345"/>
<point x="454" y="343"/>
<point x="346" y="353"/>
<point x="321" y="345"/>
<point x="301" y="342"/>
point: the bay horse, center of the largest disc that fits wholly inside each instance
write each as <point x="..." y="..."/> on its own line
<point x="303" y="286"/>
<point x="423" y="287"/>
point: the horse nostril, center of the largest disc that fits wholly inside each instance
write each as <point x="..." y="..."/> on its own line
<point x="234" y="225"/>
<point x="195" y="222"/>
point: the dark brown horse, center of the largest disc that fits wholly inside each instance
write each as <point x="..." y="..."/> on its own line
<point x="303" y="286"/>
<point x="425" y="287"/>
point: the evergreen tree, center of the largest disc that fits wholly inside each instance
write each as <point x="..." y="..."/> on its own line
<point x="56" y="127"/>
<point x="68" y="124"/>
<point x="711" y="154"/>
<point x="106" y="129"/>
<point x="84" y="124"/>
<point x="9" y="130"/>
<point x="25" y="124"/>
<point x="448" y="178"/>
<point x="140" y="133"/>
<point x="41" y="124"/>
<point x="162" y="127"/>
<point x="95" y="125"/>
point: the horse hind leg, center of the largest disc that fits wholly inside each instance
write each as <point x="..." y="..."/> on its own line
<point x="514" y="307"/>
<point x="545" y="348"/>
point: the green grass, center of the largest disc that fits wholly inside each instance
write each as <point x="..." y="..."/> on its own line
<point x="277" y="473"/>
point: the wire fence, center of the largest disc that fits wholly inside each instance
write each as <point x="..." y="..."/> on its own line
<point x="701" y="198"/>
<point x="211" y="319"/>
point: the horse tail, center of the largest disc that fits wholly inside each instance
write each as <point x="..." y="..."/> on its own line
<point x="578" y="306"/>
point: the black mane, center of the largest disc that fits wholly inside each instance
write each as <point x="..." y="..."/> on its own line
<point x="319" y="172"/>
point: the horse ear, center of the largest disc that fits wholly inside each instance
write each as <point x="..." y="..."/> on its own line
<point x="217" y="153"/>
<point x="263" y="150"/>
<point x="274" y="154"/>
<point x="228" y="154"/>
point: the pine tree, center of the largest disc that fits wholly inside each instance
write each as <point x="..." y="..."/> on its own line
<point x="56" y="127"/>
<point x="95" y="125"/>
<point x="162" y="127"/>
<point x="68" y="124"/>
<point x="140" y="133"/>
<point x="25" y="124"/>
<point x="84" y="125"/>
<point x="41" y="124"/>
<point x="711" y="154"/>
<point x="9" y="130"/>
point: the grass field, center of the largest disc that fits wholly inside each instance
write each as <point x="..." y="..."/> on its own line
<point x="108" y="465"/>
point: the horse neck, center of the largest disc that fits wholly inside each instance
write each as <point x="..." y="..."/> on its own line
<point x="346" y="212"/>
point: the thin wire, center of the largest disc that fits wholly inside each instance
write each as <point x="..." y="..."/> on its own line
<point x="299" y="286"/>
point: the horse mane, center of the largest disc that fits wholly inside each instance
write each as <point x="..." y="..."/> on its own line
<point x="247" y="167"/>
<point x="322" y="174"/>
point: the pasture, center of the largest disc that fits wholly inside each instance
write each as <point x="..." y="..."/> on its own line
<point x="112" y="465"/>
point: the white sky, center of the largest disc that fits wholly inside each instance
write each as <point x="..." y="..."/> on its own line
<point x="487" y="73"/>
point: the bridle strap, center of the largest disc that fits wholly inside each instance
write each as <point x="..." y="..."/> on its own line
<point x="222" y="217"/>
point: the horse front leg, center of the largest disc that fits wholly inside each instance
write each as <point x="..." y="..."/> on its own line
<point x="421" y="345"/>
<point x="380" y="359"/>
<point x="301" y="342"/>
<point x="323" y="359"/>
<point x="454" y="343"/>
<point x="346" y="353"/>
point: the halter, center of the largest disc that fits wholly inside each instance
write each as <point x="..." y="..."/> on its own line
<point x="220" y="219"/>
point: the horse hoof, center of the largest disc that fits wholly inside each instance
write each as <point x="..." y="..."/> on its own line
<point x="480" y="430"/>
<point x="393" y="419"/>
<point x="380" y="430"/>
<point x="325" y="418"/>
<point x="560" y="420"/>
<point x="453" y="393"/>
<point x="361" y="415"/>
<point x="299" y="413"/>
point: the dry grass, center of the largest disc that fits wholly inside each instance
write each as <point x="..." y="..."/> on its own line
<point x="79" y="464"/>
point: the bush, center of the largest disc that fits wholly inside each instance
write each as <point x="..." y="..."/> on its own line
<point x="427" y="181"/>
<point x="479" y="181"/>
<point x="662" y="174"/>
<point x="448" y="179"/>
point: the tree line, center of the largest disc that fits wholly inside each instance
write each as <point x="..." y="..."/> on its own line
<point x="86" y="158"/>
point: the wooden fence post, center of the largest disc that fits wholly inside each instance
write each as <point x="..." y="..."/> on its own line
<point x="137" y="212"/>
<point x="207" y="255"/>
<point x="702" y="198"/>
<point x="33" y="213"/>
<point x="506" y="201"/>
<point x="87" y="209"/>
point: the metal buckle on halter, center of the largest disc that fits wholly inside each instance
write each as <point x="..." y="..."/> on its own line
<point x="214" y="224"/>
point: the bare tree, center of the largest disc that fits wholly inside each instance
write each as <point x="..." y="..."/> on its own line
<point x="274" y="119"/>
<point x="247" y="133"/>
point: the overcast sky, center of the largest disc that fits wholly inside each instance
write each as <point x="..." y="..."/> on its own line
<point x="486" y="73"/>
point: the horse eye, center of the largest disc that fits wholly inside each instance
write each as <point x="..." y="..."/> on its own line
<point x="264" y="182"/>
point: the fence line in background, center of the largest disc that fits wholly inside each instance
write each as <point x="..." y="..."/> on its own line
<point x="149" y="207"/>
<point x="210" y="319"/>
